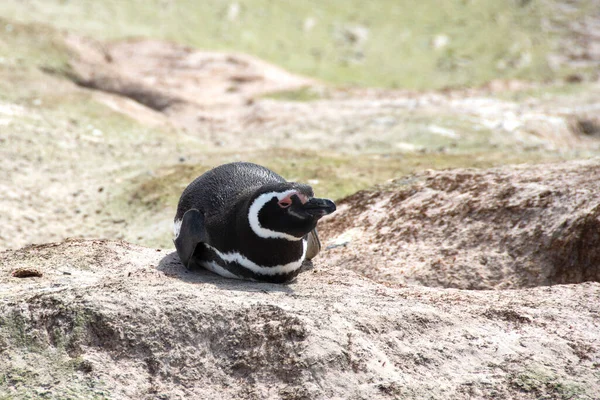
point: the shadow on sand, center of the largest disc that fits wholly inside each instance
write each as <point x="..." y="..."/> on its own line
<point x="172" y="267"/>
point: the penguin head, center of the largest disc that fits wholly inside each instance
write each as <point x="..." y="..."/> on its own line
<point x="286" y="211"/>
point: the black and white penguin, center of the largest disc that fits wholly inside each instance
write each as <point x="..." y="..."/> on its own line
<point x="244" y="221"/>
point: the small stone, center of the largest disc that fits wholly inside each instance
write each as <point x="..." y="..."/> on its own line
<point x="309" y="24"/>
<point x="233" y="11"/>
<point x="440" y="41"/>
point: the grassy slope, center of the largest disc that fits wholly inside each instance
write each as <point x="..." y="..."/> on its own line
<point x="486" y="39"/>
<point x="145" y="188"/>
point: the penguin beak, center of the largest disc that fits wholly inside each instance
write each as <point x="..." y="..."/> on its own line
<point x="319" y="207"/>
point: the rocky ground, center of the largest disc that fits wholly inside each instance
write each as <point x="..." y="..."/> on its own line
<point x="501" y="228"/>
<point x="108" y="319"/>
<point x="104" y="319"/>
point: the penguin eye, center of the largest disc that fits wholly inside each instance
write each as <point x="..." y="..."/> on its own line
<point x="285" y="203"/>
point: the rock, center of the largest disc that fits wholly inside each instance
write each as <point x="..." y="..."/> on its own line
<point x="308" y="24"/>
<point x="586" y="125"/>
<point x="233" y="11"/>
<point x="440" y="41"/>
<point x="509" y="227"/>
<point x="353" y="34"/>
<point x="130" y="322"/>
<point x="166" y="76"/>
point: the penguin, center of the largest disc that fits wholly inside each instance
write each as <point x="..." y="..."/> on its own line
<point x="244" y="221"/>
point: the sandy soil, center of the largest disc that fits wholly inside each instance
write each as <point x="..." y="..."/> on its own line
<point x="493" y="229"/>
<point x="112" y="320"/>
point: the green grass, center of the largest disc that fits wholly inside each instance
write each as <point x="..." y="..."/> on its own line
<point x="547" y="92"/>
<point x="331" y="175"/>
<point x="486" y="39"/>
<point x="31" y="45"/>
<point x="150" y="199"/>
<point x="302" y="94"/>
<point x="543" y="384"/>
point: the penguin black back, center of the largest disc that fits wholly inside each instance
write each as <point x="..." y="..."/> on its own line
<point x="214" y="190"/>
<point x="242" y="220"/>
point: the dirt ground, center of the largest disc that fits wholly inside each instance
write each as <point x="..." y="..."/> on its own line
<point x="107" y="319"/>
<point x="501" y="228"/>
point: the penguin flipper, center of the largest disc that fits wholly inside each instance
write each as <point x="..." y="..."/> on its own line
<point x="191" y="233"/>
<point x="314" y="245"/>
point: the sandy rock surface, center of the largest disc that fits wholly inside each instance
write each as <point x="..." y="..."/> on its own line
<point x="501" y="228"/>
<point x="112" y="319"/>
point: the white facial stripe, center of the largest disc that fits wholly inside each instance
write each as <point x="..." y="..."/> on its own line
<point x="255" y="208"/>
<point x="176" y="228"/>
<point x="258" y="269"/>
